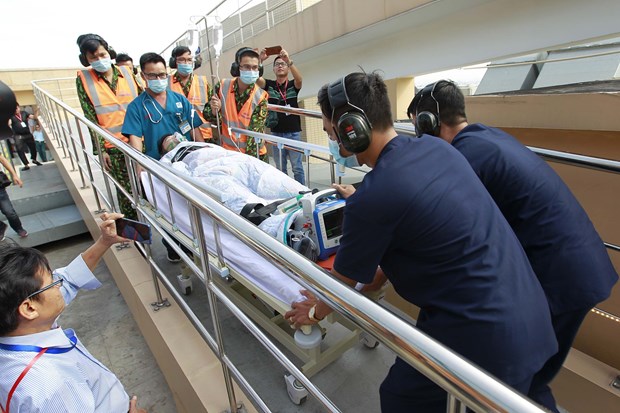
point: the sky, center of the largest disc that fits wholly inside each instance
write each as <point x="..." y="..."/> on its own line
<point x="45" y="33"/>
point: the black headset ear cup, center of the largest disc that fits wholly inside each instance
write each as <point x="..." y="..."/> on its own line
<point x="260" y="70"/>
<point x="197" y="62"/>
<point x="354" y="131"/>
<point x="234" y="69"/>
<point x="112" y="52"/>
<point x="83" y="60"/>
<point x="135" y="70"/>
<point x="426" y="123"/>
<point x="172" y="62"/>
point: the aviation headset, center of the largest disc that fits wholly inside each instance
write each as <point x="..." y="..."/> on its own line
<point x="105" y="45"/>
<point x="178" y="51"/>
<point x="353" y="129"/>
<point x="234" y="67"/>
<point x="427" y="122"/>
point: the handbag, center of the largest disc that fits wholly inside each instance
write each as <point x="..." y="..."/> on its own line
<point x="4" y="180"/>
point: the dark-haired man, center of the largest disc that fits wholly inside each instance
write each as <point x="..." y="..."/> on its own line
<point x="284" y="93"/>
<point x="194" y="87"/>
<point x="562" y="245"/>
<point x="46" y="368"/>
<point x="442" y="242"/>
<point x="105" y="91"/>
<point x="123" y="59"/>
<point x="23" y="137"/>
<point x="241" y="103"/>
<point x="158" y="111"/>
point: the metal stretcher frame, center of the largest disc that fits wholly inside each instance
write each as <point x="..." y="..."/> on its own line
<point x="263" y="308"/>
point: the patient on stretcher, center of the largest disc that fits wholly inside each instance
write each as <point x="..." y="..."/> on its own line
<point x="239" y="179"/>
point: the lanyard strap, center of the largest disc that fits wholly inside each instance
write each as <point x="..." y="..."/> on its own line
<point x="21" y="376"/>
<point x="285" y="90"/>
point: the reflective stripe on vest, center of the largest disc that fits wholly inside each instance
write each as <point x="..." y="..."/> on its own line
<point x="231" y="118"/>
<point x="110" y="107"/>
<point x="197" y="96"/>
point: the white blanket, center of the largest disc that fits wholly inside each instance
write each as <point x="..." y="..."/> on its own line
<point x="238" y="179"/>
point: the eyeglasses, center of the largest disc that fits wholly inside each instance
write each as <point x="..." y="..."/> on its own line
<point x="153" y="76"/>
<point x="58" y="283"/>
<point x="280" y="64"/>
<point x="248" y="67"/>
<point x="182" y="60"/>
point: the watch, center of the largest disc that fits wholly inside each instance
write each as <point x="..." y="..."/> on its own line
<point x="312" y="314"/>
<point x="290" y="63"/>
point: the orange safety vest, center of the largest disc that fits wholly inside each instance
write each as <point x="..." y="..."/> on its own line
<point x="233" y="119"/>
<point x="109" y="107"/>
<point x="197" y="96"/>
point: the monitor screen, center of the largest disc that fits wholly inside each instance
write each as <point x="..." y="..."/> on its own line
<point x="333" y="223"/>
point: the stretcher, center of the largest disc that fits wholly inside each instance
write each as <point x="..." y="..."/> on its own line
<point x="260" y="289"/>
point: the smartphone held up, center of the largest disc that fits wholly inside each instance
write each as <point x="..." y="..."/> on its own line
<point x="273" y="50"/>
<point x="134" y="230"/>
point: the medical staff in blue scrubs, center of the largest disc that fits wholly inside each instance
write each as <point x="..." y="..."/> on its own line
<point x="564" y="249"/>
<point x="424" y="218"/>
<point x="159" y="111"/>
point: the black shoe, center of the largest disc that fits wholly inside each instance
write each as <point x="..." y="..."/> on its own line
<point x="25" y="168"/>
<point x="37" y="163"/>
<point x="172" y="256"/>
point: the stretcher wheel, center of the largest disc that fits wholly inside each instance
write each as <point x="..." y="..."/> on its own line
<point x="368" y="340"/>
<point x="296" y="391"/>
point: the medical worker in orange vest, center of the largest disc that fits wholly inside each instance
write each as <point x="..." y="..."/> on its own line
<point x="105" y="90"/>
<point x="241" y="104"/>
<point x="195" y="88"/>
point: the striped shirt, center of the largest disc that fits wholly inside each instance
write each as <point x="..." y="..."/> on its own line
<point x="73" y="381"/>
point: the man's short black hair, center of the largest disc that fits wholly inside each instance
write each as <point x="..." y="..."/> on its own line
<point x="180" y="51"/>
<point x="123" y="57"/>
<point x="248" y="52"/>
<point x="160" y="144"/>
<point x="367" y="91"/>
<point x="278" y="57"/>
<point x="18" y="279"/>
<point x="449" y="97"/>
<point x="150" y="57"/>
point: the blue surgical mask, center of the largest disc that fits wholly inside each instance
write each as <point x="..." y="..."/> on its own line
<point x="158" y="85"/>
<point x="249" y="76"/>
<point x="348" y="161"/>
<point x="102" y="65"/>
<point x="185" y="68"/>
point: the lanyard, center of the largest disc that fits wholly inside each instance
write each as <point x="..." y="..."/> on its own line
<point x="34" y="349"/>
<point x="280" y="90"/>
<point x="19" y="116"/>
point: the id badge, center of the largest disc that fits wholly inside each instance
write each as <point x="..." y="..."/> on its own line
<point x="184" y="127"/>
<point x="23" y="124"/>
<point x="288" y="105"/>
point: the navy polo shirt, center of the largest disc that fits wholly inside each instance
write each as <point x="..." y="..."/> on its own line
<point x="426" y="219"/>
<point x="145" y="117"/>
<point x="562" y="245"/>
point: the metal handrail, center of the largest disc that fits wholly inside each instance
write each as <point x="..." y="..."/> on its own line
<point x="461" y="379"/>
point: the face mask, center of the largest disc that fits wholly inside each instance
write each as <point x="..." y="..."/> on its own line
<point x="158" y="85"/>
<point x="102" y="65"/>
<point x="185" y="68"/>
<point x="349" y="161"/>
<point x="249" y="76"/>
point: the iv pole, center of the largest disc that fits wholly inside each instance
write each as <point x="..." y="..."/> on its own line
<point x="217" y="31"/>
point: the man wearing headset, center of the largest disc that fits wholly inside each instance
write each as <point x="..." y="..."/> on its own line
<point x="104" y="91"/>
<point x="563" y="247"/>
<point x="158" y="111"/>
<point x="194" y="87"/>
<point x="439" y="238"/>
<point x="241" y="103"/>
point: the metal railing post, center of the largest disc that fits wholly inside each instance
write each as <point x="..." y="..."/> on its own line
<point x="89" y="168"/>
<point x="75" y="152"/>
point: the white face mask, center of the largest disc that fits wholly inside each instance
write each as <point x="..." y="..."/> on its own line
<point x="248" y="76"/>
<point x="348" y="161"/>
<point x="102" y="65"/>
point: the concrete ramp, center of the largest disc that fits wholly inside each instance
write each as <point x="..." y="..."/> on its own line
<point x="45" y="207"/>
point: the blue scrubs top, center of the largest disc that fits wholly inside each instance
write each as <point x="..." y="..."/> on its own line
<point x="145" y="117"/>
<point x="563" y="247"/>
<point x="424" y="216"/>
